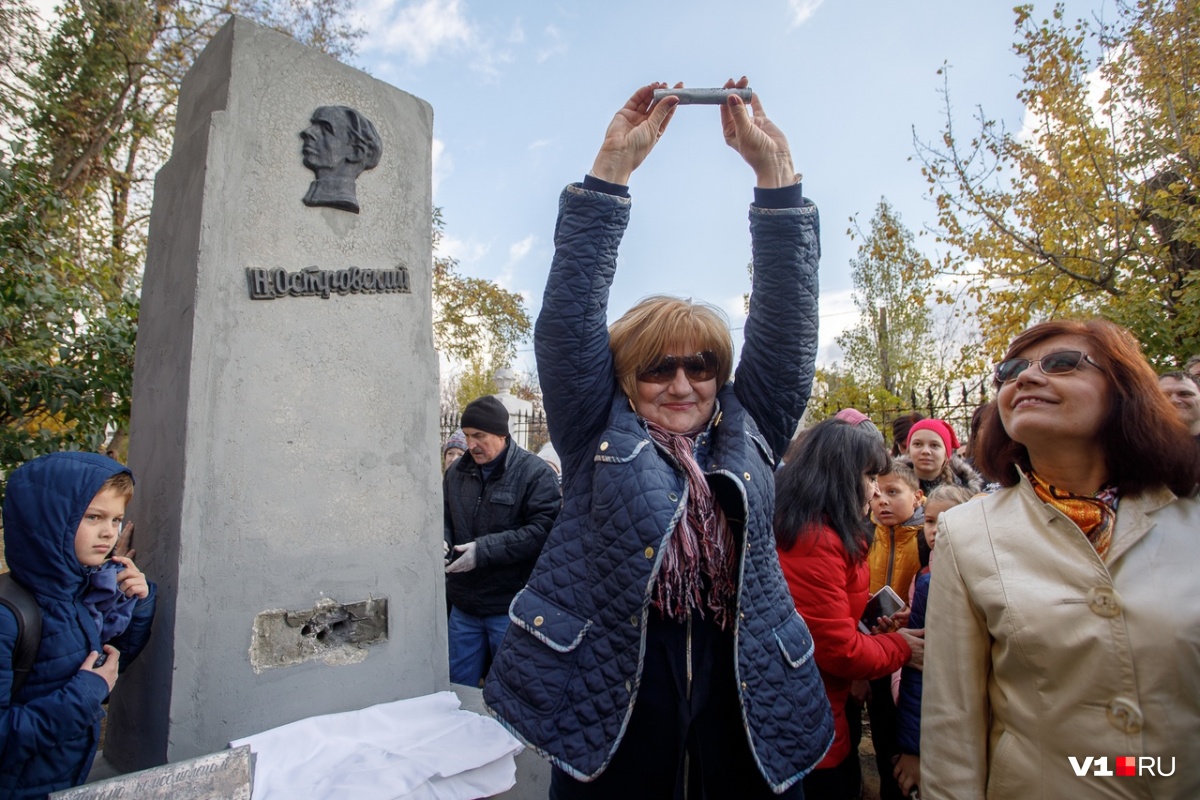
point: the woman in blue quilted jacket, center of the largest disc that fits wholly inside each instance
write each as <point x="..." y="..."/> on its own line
<point x="656" y="646"/>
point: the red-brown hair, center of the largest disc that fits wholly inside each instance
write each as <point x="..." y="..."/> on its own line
<point x="1145" y="443"/>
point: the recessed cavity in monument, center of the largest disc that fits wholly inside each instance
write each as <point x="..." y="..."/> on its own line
<point x="330" y="632"/>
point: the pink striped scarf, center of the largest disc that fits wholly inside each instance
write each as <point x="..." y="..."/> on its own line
<point x="702" y="545"/>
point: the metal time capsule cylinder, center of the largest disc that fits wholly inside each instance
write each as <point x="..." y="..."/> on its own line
<point x="702" y="97"/>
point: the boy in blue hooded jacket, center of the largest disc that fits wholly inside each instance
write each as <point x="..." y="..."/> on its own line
<point x="62" y="516"/>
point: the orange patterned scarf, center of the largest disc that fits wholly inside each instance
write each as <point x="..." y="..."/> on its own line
<point x="1096" y="516"/>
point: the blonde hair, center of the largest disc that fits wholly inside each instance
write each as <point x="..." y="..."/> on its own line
<point x="954" y="495"/>
<point x="649" y="330"/>
<point x="121" y="483"/>
<point x="906" y="474"/>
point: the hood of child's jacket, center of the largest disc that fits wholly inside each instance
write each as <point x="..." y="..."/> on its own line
<point x="43" y="504"/>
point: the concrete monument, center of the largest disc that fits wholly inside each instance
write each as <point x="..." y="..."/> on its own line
<point x="288" y="499"/>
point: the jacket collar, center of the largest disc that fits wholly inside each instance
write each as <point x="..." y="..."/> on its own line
<point x="499" y="464"/>
<point x="1134" y="514"/>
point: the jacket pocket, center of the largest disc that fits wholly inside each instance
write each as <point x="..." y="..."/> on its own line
<point x="606" y="454"/>
<point x="795" y="642"/>
<point x="538" y="659"/>
<point x="505" y="496"/>
<point x="553" y="625"/>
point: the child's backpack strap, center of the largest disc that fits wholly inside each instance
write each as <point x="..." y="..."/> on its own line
<point x="20" y="602"/>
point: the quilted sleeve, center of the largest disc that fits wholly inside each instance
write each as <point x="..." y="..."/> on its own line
<point x="570" y="339"/>
<point x="43" y="722"/>
<point x="816" y="575"/>
<point x="775" y="375"/>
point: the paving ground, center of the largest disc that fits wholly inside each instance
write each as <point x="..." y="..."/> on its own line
<point x="866" y="754"/>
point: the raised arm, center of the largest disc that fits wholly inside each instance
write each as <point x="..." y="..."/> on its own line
<point x="775" y="374"/>
<point x="571" y="336"/>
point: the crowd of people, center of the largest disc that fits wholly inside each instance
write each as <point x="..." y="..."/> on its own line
<point x="691" y="599"/>
<point x="704" y="616"/>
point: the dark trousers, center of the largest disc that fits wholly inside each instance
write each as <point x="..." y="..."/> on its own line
<point x="884" y="736"/>
<point x="685" y="738"/>
<point x="841" y="782"/>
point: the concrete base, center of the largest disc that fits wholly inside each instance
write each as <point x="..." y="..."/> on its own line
<point x="533" y="772"/>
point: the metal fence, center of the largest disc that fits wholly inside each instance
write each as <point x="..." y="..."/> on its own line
<point x="953" y="404"/>
<point x="527" y="429"/>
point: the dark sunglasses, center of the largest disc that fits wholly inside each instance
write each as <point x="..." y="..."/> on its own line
<point x="1060" y="363"/>
<point x="698" y="367"/>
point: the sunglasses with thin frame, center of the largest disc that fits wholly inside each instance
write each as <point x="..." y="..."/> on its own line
<point x="697" y="367"/>
<point x="1060" y="363"/>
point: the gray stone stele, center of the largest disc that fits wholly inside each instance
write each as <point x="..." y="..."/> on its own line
<point x="286" y="450"/>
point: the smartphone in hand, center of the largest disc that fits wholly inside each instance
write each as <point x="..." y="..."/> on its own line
<point x="883" y="603"/>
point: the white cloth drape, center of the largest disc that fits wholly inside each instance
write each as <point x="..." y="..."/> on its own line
<point x="425" y="747"/>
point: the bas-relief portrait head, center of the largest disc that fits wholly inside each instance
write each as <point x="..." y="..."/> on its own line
<point x="339" y="145"/>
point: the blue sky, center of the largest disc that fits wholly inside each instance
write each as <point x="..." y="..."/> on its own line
<point x="522" y="92"/>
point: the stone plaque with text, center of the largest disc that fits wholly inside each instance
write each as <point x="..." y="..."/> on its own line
<point x="227" y="775"/>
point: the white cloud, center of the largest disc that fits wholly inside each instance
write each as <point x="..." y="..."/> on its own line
<point x="443" y="164"/>
<point x="520" y="249"/>
<point x="516" y="34"/>
<point x="801" y="10"/>
<point x="420" y="29"/>
<point x="554" y="46"/>
<point x="838" y="314"/>
<point x="538" y="144"/>
<point x="464" y="251"/>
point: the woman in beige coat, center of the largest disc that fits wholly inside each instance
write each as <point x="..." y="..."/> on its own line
<point x="1063" y="630"/>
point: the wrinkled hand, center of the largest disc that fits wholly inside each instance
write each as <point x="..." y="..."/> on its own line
<point x="900" y="618"/>
<point x="108" y="670"/>
<point x="130" y="580"/>
<point x="758" y="140"/>
<point x="632" y="134"/>
<point x="861" y="691"/>
<point x="445" y="552"/>
<point x="466" y="561"/>
<point x="907" y="772"/>
<point x="916" y="642"/>
<point x="125" y="542"/>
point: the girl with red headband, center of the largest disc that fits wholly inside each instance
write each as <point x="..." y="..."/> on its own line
<point x="931" y="453"/>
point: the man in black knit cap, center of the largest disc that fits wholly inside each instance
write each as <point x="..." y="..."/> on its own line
<point x="499" y="505"/>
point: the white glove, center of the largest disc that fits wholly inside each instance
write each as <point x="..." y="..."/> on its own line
<point x="466" y="561"/>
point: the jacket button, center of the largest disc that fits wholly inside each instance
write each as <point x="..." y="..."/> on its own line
<point x="744" y="687"/>
<point x="742" y="614"/>
<point x="628" y="686"/>
<point x="537" y="621"/>
<point x="1104" y="601"/>
<point x="746" y="475"/>
<point x="633" y="620"/>
<point x="649" y="552"/>
<point x="673" y="497"/>
<point x="1124" y="715"/>
<point x="603" y="446"/>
